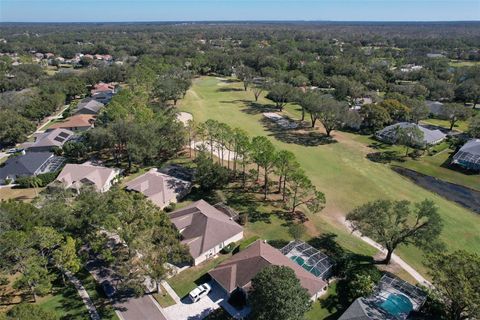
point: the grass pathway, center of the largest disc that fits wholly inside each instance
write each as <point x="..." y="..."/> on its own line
<point x="340" y="169"/>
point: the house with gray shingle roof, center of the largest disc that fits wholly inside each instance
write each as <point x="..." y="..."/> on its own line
<point x="51" y="139"/>
<point x="89" y="106"/>
<point x="469" y="155"/>
<point x="29" y="164"/>
<point x="435" y="107"/>
<point x="205" y="230"/>
<point x="390" y="133"/>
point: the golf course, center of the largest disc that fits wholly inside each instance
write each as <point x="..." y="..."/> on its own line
<point x="339" y="168"/>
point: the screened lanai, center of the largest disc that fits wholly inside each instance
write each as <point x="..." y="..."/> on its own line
<point x="309" y="258"/>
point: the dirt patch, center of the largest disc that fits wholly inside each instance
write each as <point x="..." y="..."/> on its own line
<point x="464" y="196"/>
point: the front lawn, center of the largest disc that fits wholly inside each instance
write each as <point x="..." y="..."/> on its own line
<point x="189" y="279"/>
<point x="164" y="299"/>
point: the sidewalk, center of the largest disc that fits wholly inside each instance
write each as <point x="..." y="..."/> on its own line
<point x="92" y="311"/>
<point x="170" y="291"/>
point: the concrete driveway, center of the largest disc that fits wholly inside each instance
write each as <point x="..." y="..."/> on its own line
<point x="186" y="310"/>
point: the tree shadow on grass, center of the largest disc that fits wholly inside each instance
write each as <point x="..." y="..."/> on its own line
<point x="385" y="157"/>
<point x="246" y="203"/>
<point x="229" y="90"/>
<point x="296" y="136"/>
<point x="254" y="108"/>
<point x="70" y="302"/>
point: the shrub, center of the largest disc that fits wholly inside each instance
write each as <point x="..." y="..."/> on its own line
<point x="170" y="207"/>
<point x="40" y="180"/>
<point x="297" y="230"/>
<point x="278" y="243"/>
<point x="8" y="181"/>
<point x="229" y="248"/>
<point x="243" y="219"/>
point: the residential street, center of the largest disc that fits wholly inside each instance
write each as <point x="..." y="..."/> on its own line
<point x="131" y="308"/>
<point x="144" y="308"/>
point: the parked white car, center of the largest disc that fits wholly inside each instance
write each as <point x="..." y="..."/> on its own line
<point x="200" y="292"/>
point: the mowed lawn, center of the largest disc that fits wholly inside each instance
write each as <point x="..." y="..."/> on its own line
<point x="340" y="169"/>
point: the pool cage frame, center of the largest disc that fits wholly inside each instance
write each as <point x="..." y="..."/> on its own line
<point x="389" y="282"/>
<point x="314" y="261"/>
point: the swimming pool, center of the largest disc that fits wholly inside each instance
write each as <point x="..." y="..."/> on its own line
<point x="302" y="263"/>
<point x="397" y="304"/>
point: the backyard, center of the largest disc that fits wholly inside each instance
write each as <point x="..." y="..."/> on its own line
<point x="328" y="164"/>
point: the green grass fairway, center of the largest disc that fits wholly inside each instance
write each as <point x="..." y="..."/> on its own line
<point x="340" y="169"/>
<point x="460" y="125"/>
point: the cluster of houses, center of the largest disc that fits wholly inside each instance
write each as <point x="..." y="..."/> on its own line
<point x="49" y="58"/>
<point x="38" y="156"/>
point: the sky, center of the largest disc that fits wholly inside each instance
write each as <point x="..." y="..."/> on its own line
<point x="224" y="10"/>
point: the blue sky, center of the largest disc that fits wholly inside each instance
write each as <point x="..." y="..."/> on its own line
<point x="188" y="10"/>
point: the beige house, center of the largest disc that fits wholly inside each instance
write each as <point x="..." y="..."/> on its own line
<point x="160" y="188"/>
<point x="237" y="272"/>
<point x="77" y="175"/>
<point x="205" y="230"/>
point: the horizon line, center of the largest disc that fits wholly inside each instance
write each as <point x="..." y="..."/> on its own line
<point x="230" y="21"/>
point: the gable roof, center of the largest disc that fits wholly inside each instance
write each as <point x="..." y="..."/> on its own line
<point x="241" y="268"/>
<point x="24" y="165"/>
<point x="203" y="227"/>
<point x="54" y="138"/>
<point x="89" y="104"/>
<point x="160" y="188"/>
<point x="77" y="175"/>
<point x="76" y="121"/>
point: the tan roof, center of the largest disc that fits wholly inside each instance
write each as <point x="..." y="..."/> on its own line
<point x="160" y="188"/>
<point x="203" y="227"/>
<point x="76" y="121"/>
<point x="54" y="138"/>
<point x="77" y="175"/>
<point x="241" y="268"/>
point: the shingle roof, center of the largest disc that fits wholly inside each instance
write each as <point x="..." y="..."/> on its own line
<point x="89" y="104"/>
<point x="356" y="311"/>
<point x="241" y="268"/>
<point x="435" y="107"/>
<point x="77" y="175"/>
<point x="24" y="165"/>
<point x="76" y="121"/>
<point x="160" y="188"/>
<point x="203" y="227"/>
<point x="429" y="136"/>
<point x="54" y="138"/>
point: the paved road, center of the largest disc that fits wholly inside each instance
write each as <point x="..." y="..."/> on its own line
<point x="131" y="308"/>
<point x="144" y="308"/>
<point x="396" y="259"/>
